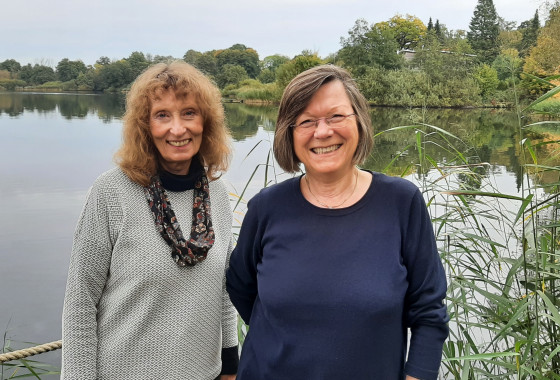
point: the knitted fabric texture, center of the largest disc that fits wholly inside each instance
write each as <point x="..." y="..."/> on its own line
<point x="129" y="311"/>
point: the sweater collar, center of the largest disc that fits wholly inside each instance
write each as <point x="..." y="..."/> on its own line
<point x="175" y="182"/>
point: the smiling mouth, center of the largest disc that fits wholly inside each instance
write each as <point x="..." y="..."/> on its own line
<point x="325" y="150"/>
<point x="180" y="143"/>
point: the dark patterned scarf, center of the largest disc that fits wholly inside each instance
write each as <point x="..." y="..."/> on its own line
<point x="185" y="253"/>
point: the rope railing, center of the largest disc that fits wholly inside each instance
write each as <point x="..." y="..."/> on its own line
<point x="20" y="354"/>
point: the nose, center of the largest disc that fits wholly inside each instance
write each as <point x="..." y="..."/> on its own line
<point x="177" y="126"/>
<point x="322" y="130"/>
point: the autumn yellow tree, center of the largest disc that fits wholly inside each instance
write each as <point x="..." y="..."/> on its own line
<point x="408" y="30"/>
<point x="544" y="58"/>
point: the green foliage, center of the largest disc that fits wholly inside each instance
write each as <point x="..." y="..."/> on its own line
<point x="239" y="55"/>
<point x="231" y="75"/>
<point x="23" y="368"/>
<point x="11" y="84"/>
<point x="548" y="107"/>
<point x="483" y="31"/>
<point x="407" y="31"/>
<point x="67" y="70"/>
<point x="113" y="76"/>
<point x="137" y="63"/>
<point x="508" y="64"/>
<point x="442" y="65"/>
<point x="414" y="88"/>
<point x="487" y="80"/>
<point x="544" y="57"/>
<point x="269" y="65"/>
<point x="369" y="46"/>
<point x="529" y="32"/>
<point x="287" y="71"/>
<point x="254" y="90"/>
<point x="37" y="74"/>
<point x="10" y="65"/>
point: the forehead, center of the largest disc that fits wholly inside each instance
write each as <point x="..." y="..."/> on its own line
<point x="330" y="95"/>
<point x="171" y="95"/>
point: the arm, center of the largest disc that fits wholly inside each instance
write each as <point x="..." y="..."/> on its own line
<point x="425" y="312"/>
<point x="242" y="272"/>
<point x="89" y="265"/>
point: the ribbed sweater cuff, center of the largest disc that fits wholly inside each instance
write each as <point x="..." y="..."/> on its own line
<point x="230" y="360"/>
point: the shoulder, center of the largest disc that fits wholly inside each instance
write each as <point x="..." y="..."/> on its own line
<point x="218" y="192"/>
<point x="395" y="186"/>
<point x="277" y="191"/>
<point x="113" y="178"/>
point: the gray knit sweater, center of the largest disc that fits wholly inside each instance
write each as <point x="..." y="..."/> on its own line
<point x="129" y="311"/>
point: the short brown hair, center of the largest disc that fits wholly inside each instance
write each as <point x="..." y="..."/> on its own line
<point x="138" y="156"/>
<point x="296" y="98"/>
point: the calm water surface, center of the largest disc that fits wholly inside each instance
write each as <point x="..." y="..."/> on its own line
<point x="53" y="146"/>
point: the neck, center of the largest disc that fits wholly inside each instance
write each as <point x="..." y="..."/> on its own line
<point x="331" y="192"/>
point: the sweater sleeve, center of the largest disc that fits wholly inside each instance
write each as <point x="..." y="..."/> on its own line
<point x="89" y="265"/>
<point x="242" y="273"/>
<point x="425" y="313"/>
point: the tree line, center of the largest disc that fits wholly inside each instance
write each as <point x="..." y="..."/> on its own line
<point x="401" y="61"/>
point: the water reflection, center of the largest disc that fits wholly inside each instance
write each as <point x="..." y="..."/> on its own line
<point x="107" y="106"/>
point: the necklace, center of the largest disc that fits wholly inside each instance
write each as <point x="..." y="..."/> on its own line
<point x="338" y="205"/>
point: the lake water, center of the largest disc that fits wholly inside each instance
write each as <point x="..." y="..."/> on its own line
<point x="53" y="146"/>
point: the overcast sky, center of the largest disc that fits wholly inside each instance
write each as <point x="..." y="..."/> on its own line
<point x="39" y="31"/>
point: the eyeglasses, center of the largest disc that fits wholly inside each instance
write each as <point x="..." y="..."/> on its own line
<point x="334" y="121"/>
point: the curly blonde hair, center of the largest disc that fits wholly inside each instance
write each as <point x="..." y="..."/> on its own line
<point x="138" y="156"/>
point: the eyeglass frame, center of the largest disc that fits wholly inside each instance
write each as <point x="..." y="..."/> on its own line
<point x="328" y="120"/>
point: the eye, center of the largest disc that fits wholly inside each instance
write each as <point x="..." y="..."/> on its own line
<point x="189" y="114"/>
<point x="306" y="123"/>
<point x="337" y="118"/>
<point x="160" y="115"/>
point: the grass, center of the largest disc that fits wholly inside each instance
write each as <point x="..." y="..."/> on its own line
<point x="23" y="368"/>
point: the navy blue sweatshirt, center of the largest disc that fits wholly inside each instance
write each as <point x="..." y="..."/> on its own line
<point x="332" y="293"/>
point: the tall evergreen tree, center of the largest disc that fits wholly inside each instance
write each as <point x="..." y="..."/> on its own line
<point x="530" y="31"/>
<point x="484" y="30"/>
<point x="438" y="31"/>
<point x="430" y="25"/>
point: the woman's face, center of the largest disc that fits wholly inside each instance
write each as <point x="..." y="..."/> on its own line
<point x="176" y="126"/>
<point x="322" y="149"/>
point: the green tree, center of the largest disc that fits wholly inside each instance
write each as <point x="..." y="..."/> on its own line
<point x="544" y="58"/>
<point x="12" y="66"/>
<point x="487" y="80"/>
<point x="441" y="65"/>
<point x="529" y="31"/>
<point x="114" y="76"/>
<point x="484" y="30"/>
<point x="207" y="63"/>
<point x="231" y="75"/>
<point x="269" y="65"/>
<point x="138" y="63"/>
<point x="407" y="31"/>
<point x="240" y="55"/>
<point x="192" y="56"/>
<point x="366" y="46"/>
<point x="103" y="61"/>
<point x="287" y="71"/>
<point x="37" y="74"/>
<point x="508" y="64"/>
<point x="67" y="70"/>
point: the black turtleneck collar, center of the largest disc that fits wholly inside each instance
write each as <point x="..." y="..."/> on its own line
<point x="175" y="182"/>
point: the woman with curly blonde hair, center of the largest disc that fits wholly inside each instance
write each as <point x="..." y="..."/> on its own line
<point x="146" y="295"/>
